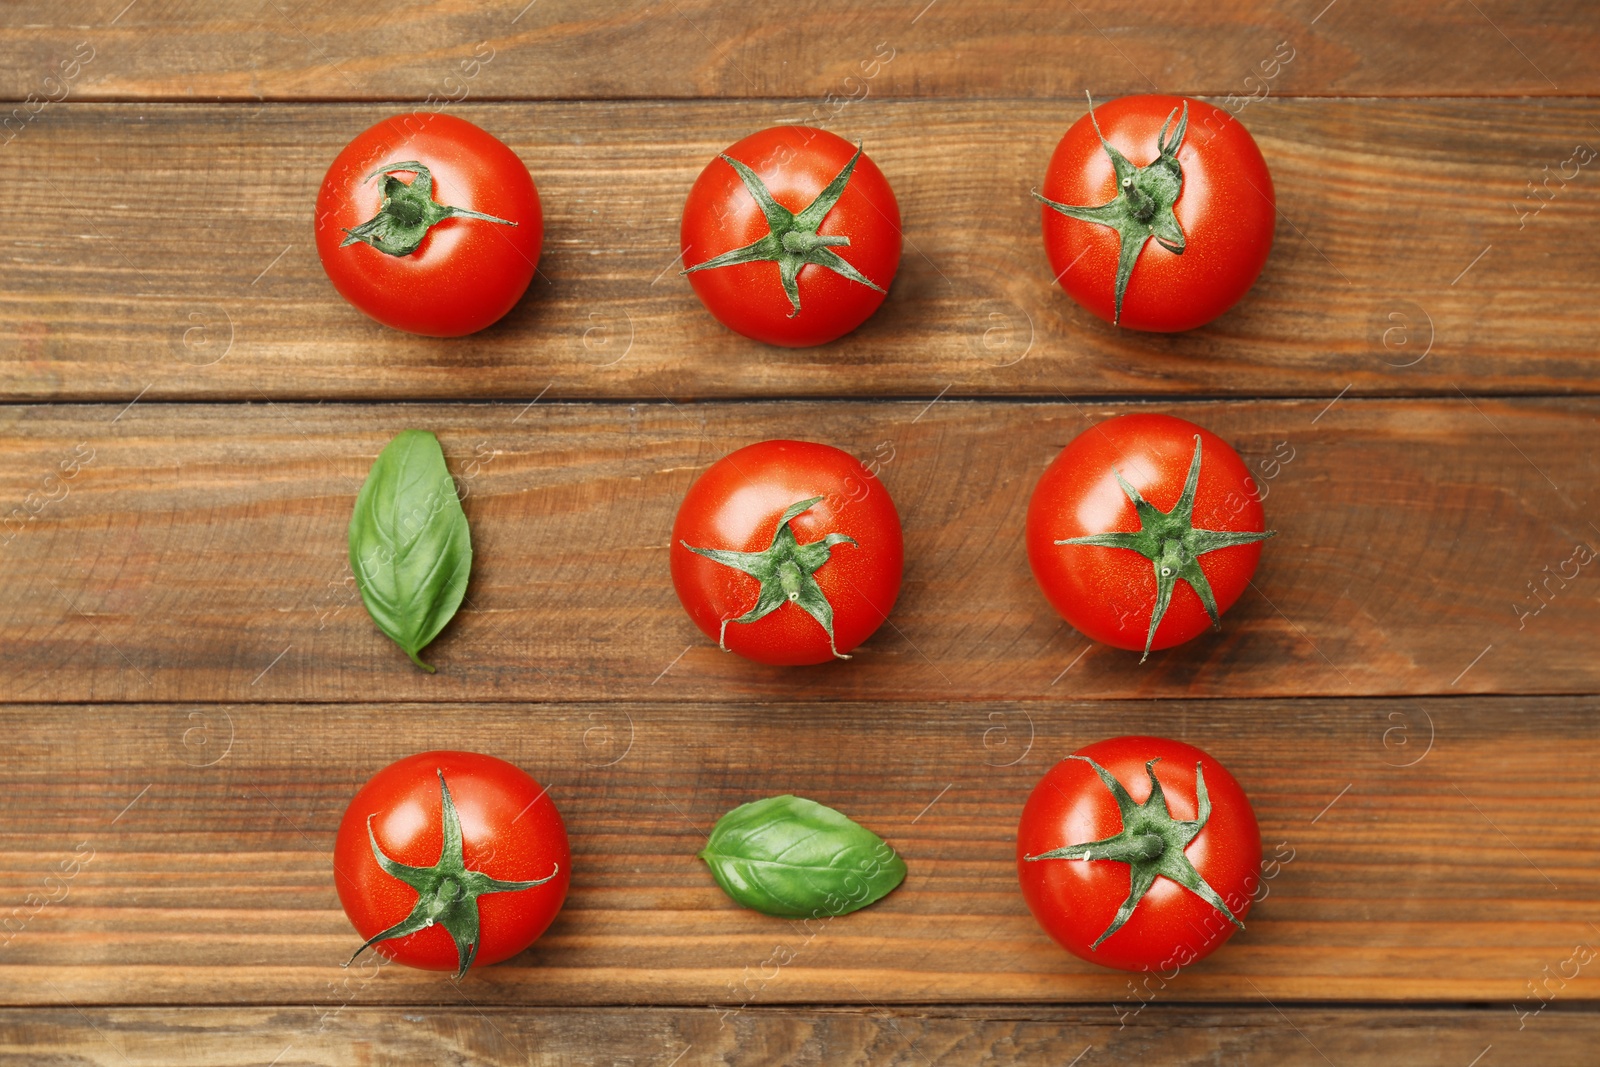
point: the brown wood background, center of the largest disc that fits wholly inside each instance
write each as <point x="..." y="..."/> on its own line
<point x="191" y="690"/>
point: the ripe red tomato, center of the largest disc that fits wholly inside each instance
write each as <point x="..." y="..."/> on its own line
<point x="391" y="247"/>
<point x="791" y="236"/>
<point x="1178" y="211"/>
<point x="1184" y="856"/>
<point x="477" y="862"/>
<point x="787" y="552"/>
<point x="1140" y="578"/>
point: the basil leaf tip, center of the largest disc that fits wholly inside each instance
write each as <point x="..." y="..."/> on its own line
<point x="795" y="858"/>
<point x="410" y="547"/>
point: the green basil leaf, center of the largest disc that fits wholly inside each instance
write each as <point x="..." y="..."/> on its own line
<point x="409" y="543"/>
<point x="796" y="858"/>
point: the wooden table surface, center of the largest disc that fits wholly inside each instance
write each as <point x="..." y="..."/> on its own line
<point x="192" y="690"/>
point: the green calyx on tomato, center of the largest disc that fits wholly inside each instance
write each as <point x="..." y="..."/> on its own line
<point x="447" y="893"/>
<point x="1173" y="546"/>
<point x="408" y="212"/>
<point x="1151" y="843"/>
<point x="784" y="571"/>
<point x="793" y="241"/>
<point x="1143" y="206"/>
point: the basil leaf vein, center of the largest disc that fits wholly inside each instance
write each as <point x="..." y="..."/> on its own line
<point x="410" y="547"/>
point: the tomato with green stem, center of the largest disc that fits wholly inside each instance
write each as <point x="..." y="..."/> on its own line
<point x="447" y="860"/>
<point x="1144" y="530"/>
<point x="791" y="236"/>
<point x="787" y="552"/>
<point x="1139" y="853"/>
<point x="429" y="224"/>
<point x="1157" y="211"/>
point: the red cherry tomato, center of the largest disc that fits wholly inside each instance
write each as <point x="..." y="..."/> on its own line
<point x="509" y="832"/>
<point x="464" y="272"/>
<point x="1077" y="900"/>
<point x="1222" y="217"/>
<point x="1111" y="594"/>
<point x="834" y="564"/>
<point x="840" y="259"/>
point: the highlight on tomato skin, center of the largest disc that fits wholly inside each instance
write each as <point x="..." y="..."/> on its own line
<point x="444" y="247"/>
<point x="1104" y="563"/>
<point x="1157" y="212"/>
<point x="448" y="860"/>
<point x="788" y="553"/>
<point x="791" y="236"/>
<point x="1129" y="879"/>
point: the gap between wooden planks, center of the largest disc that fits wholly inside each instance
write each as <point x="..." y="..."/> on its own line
<point x="1409" y="258"/>
<point x="200" y="553"/>
<point x="1411" y="848"/>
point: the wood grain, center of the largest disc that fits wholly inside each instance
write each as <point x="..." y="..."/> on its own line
<point x="1408" y="259"/>
<point x="199" y="553"/>
<point x="192" y="691"/>
<point x="290" y="49"/>
<point x="1415" y="858"/>
<point x="880" y="1037"/>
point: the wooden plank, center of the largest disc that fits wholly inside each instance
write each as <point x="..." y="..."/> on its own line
<point x="1416" y="858"/>
<point x="199" y="553"/>
<point x="1409" y="259"/>
<point x="693" y="48"/>
<point x="882" y="1037"/>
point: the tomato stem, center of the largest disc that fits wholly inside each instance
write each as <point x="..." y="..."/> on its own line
<point x="792" y="240"/>
<point x="1142" y="203"/>
<point x="1173" y="545"/>
<point x="447" y="892"/>
<point x="785" y="570"/>
<point x="1144" y="206"/>
<point x="1151" y="842"/>
<point x="408" y="212"/>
